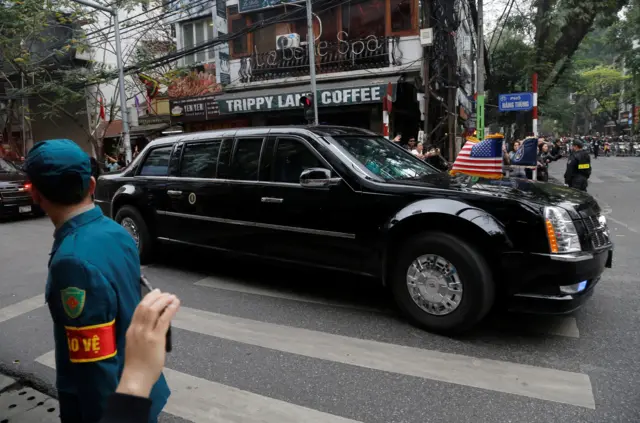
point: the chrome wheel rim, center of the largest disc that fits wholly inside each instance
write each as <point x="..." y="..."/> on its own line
<point x="434" y="285"/>
<point x="132" y="228"/>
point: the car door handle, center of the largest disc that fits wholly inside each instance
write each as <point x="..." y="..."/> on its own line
<point x="174" y="193"/>
<point x="272" y="200"/>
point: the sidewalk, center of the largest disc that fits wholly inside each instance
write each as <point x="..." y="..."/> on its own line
<point x="21" y="404"/>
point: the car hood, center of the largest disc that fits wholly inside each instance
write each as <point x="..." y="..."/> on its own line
<point x="517" y="189"/>
<point x="10" y="178"/>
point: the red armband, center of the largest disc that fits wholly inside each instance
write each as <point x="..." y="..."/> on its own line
<point x="92" y="343"/>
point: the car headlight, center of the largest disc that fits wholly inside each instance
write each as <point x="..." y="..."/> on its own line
<point x="561" y="232"/>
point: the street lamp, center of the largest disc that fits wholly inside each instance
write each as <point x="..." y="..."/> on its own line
<point x="123" y="99"/>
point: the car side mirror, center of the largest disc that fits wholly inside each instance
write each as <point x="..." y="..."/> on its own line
<point x="317" y="177"/>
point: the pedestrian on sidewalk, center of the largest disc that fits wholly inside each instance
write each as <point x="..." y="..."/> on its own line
<point x="578" y="167"/>
<point x="93" y="284"/>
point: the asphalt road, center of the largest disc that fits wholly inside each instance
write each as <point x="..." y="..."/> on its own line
<point x="261" y="343"/>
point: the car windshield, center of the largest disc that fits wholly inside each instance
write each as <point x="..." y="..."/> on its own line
<point x="385" y="160"/>
<point x="6" y="167"/>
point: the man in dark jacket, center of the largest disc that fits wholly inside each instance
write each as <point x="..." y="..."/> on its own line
<point x="596" y="147"/>
<point x="556" y="150"/>
<point x="578" y="167"/>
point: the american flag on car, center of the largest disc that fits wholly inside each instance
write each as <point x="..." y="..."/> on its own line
<point x="480" y="158"/>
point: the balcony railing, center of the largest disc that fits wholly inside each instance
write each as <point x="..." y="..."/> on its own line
<point x="340" y="56"/>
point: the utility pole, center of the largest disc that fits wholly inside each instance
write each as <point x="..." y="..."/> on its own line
<point x="24" y="119"/>
<point x="426" y="55"/>
<point x="123" y="99"/>
<point x="312" y="60"/>
<point x="480" y="83"/>
<point x="452" y="90"/>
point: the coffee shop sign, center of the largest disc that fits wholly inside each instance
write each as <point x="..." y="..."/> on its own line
<point x="325" y="98"/>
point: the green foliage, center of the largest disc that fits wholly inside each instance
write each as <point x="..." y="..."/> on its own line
<point x="605" y="85"/>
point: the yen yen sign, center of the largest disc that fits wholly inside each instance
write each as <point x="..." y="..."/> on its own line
<point x="192" y="198"/>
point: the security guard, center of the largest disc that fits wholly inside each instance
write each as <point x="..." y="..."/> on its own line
<point x="93" y="285"/>
<point x="578" y="167"/>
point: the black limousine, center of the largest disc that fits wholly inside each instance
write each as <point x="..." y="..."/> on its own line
<point x="448" y="247"/>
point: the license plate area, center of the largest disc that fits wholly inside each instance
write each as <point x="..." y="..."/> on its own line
<point x="24" y="209"/>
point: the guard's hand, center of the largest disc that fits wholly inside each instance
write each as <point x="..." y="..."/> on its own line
<point x="146" y="337"/>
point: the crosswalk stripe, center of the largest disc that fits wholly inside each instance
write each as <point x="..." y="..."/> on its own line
<point x="203" y="401"/>
<point x="502" y="376"/>
<point x="230" y="285"/>
<point x="22" y="307"/>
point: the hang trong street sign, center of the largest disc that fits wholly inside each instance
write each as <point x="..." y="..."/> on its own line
<point x="517" y="102"/>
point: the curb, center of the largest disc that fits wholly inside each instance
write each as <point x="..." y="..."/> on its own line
<point x="22" y="379"/>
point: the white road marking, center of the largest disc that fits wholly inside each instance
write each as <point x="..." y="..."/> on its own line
<point x="230" y="285"/>
<point x="203" y="401"/>
<point x="630" y="228"/>
<point x="594" y="179"/>
<point x="22" y="307"/>
<point x="512" y="378"/>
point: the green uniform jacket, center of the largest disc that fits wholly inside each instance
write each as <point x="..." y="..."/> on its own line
<point x="92" y="291"/>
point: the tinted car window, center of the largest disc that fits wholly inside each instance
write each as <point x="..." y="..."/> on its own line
<point x="291" y="158"/>
<point x="224" y="171"/>
<point x="7" y="167"/>
<point x="157" y="162"/>
<point x="200" y="160"/>
<point x="246" y="159"/>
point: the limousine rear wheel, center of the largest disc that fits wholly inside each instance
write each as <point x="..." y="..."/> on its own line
<point x="130" y="218"/>
<point x="442" y="283"/>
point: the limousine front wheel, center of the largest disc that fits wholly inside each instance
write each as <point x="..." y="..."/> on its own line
<point x="130" y="219"/>
<point x="442" y="283"/>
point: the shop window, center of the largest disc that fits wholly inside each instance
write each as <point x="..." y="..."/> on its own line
<point x="402" y="12"/>
<point x="157" y="162"/>
<point x="196" y="33"/>
<point x="292" y="158"/>
<point x="264" y="39"/>
<point x="361" y="19"/>
<point x="330" y="22"/>
<point x="200" y="160"/>
<point x="246" y="159"/>
<point x="239" y="46"/>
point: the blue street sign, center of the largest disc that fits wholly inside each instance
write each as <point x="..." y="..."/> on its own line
<point x="518" y="102"/>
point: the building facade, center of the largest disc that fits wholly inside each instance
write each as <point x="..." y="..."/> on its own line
<point x="361" y="46"/>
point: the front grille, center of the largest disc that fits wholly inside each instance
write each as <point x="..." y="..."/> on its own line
<point x="14" y="194"/>
<point x="10" y="194"/>
<point x="597" y="234"/>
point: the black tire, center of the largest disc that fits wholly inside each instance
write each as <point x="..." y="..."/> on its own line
<point x="146" y="242"/>
<point x="475" y="274"/>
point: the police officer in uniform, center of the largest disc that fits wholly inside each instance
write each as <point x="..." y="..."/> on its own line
<point x="93" y="284"/>
<point x="578" y="167"/>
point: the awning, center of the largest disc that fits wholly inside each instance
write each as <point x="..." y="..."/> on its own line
<point x="153" y="127"/>
<point x="329" y="94"/>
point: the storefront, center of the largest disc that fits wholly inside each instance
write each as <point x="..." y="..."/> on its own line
<point x="350" y="103"/>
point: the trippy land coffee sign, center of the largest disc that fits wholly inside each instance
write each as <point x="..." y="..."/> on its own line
<point x="325" y="98"/>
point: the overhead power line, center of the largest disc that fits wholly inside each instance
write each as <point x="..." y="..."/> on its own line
<point x="141" y="25"/>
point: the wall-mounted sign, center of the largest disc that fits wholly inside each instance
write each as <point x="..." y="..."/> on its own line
<point x="518" y="102"/>
<point x="324" y="97"/>
<point x="251" y="5"/>
<point x="221" y="8"/>
<point x="193" y="109"/>
<point x="224" y="60"/>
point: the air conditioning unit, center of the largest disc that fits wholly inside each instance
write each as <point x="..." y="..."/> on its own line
<point x="287" y="41"/>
